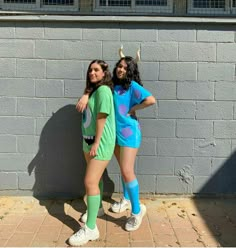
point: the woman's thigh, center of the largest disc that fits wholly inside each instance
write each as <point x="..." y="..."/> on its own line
<point x="94" y="171"/>
<point x="127" y="162"/>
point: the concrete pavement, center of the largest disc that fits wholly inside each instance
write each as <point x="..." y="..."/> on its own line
<point x="176" y="221"/>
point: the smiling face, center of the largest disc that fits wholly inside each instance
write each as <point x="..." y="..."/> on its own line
<point x="121" y="70"/>
<point x="95" y="73"/>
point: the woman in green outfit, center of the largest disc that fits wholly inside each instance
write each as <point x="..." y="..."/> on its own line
<point x="98" y="129"/>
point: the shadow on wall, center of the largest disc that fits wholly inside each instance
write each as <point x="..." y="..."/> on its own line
<point x="219" y="213"/>
<point x="59" y="165"/>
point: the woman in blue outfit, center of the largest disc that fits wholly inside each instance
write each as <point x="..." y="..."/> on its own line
<point x="129" y="96"/>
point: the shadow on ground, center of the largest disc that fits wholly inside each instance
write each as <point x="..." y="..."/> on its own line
<point x="219" y="213"/>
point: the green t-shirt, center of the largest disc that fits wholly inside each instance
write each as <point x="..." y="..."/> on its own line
<point x="101" y="101"/>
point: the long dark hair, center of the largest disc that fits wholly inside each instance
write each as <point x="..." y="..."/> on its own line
<point x="107" y="80"/>
<point x="132" y="73"/>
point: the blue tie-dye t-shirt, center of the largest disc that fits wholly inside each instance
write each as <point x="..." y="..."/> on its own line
<point x="128" y="131"/>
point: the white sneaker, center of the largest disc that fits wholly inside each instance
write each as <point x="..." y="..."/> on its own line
<point x="83" y="236"/>
<point x="85" y="215"/>
<point x="134" y="222"/>
<point x="119" y="207"/>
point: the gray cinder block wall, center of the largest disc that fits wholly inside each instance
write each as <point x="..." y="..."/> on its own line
<point x="189" y="137"/>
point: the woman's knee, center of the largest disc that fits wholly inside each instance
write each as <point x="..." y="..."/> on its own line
<point x="89" y="183"/>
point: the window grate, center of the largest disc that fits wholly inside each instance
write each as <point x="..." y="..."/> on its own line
<point x="127" y="7"/>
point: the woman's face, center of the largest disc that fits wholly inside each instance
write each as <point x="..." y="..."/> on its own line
<point x="121" y="70"/>
<point x="96" y="74"/>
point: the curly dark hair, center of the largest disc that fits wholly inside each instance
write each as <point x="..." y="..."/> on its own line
<point x="131" y="75"/>
<point x="107" y="80"/>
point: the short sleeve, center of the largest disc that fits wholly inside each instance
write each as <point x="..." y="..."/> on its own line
<point x="104" y="100"/>
<point x="139" y="93"/>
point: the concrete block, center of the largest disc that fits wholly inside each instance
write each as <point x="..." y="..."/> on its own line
<point x="150" y="112"/>
<point x="176" y="32"/>
<point x="160" y="51"/>
<point x="216" y="71"/>
<point x="200" y="182"/>
<point x="212" y="147"/>
<point x="195" y="90"/>
<point x="26" y="181"/>
<point x="7" y="68"/>
<point x="176" y="109"/>
<point x="181" y="163"/>
<point x="15" y="162"/>
<point x="10" y="48"/>
<point x="157" y="128"/>
<point x="201" y="166"/>
<point x="7" y="30"/>
<point x="197" y="52"/>
<point x="178" y="71"/>
<point x="175" y="147"/>
<point x="153" y="165"/>
<point x="147" y="183"/>
<point x="49" y="88"/>
<point x="149" y="71"/>
<point x="226" y="53"/>
<point x="225" y="91"/>
<point x="8" y="181"/>
<point x="8" y="106"/>
<point x="148" y="147"/>
<point x="214" y="110"/>
<point x="194" y="128"/>
<point x="102" y="32"/>
<point x="82" y="50"/>
<point x="17" y="87"/>
<point x="31" y="107"/>
<point x="49" y="49"/>
<point x="31" y="68"/>
<point x="26" y="30"/>
<point x="110" y="50"/>
<point x="65" y="69"/>
<point x="40" y="124"/>
<point x="172" y="185"/>
<point x="215" y="35"/>
<point x="165" y="90"/>
<point x="55" y="104"/>
<point x="7" y="143"/>
<point x="16" y="125"/>
<point x="28" y="144"/>
<point x="63" y="31"/>
<point x="138" y="32"/>
<point x="225" y="129"/>
<point x="74" y="88"/>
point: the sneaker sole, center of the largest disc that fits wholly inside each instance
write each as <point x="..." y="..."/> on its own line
<point x="84" y="242"/>
<point x="120" y="210"/>
<point x="144" y="211"/>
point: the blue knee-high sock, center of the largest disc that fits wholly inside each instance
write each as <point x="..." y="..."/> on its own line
<point x="133" y="190"/>
<point x="125" y="191"/>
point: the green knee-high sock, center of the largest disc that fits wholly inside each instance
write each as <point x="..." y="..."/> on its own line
<point x="100" y="185"/>
<point x="93" y="202"/>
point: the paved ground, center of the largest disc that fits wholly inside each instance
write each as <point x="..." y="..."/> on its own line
<point x="178" y="222"/>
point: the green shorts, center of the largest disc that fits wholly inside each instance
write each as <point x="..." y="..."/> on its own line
<point x="104" y="152"/>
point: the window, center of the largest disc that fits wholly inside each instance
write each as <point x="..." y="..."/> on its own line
<point x="53" y="5"/>
<point x="217" y="7"/>
<point x="136" y="6"/>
